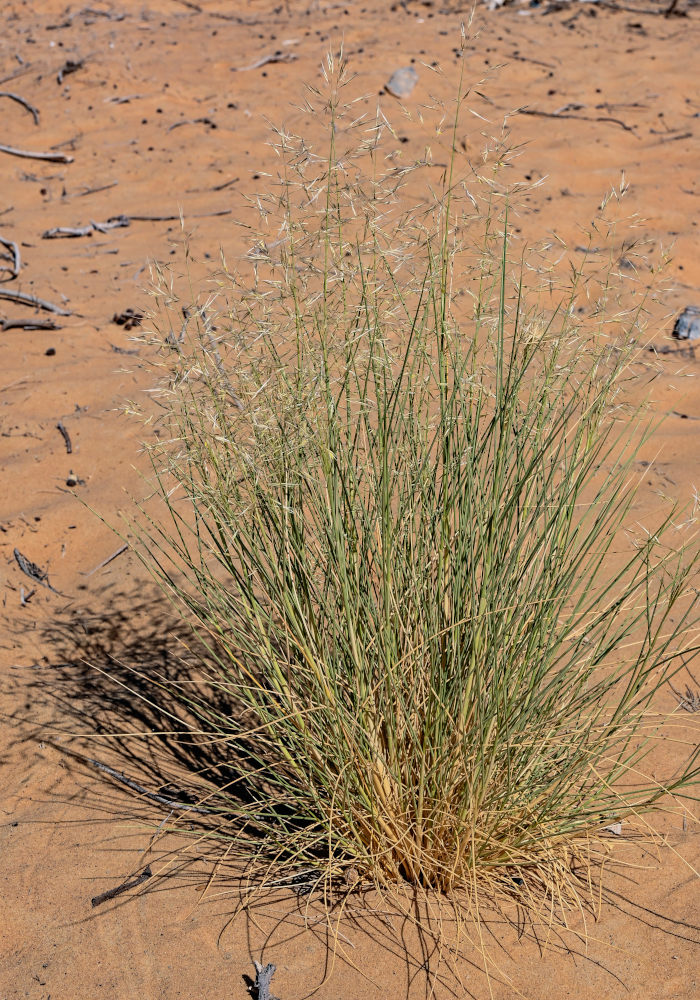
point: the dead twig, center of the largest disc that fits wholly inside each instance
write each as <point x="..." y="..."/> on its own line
<point x="192" y="121"/>
<point x="34" y="572"/>
<point x="275" y="57"/>
<point x="34" y="112"/>
<point x="249" y="22"/>
<point x="64" y="232"/>
<point x="114" y="222"/>
<point x="86" y="12"/>
<point x="24" y="598"/>
<point x="609" y="5"/>
<point x="105" y="562"/>
<point x="28" y="324"/>
<point x="51" y="157"/>
<point x="154" y="796"/>
<point x="69" y="232"/>
<point x="124" y="887"/>
<point x="117" y="222"/>
<point x="103" y="187"/>
<point x="66" y="437"/>
<point x="537" y="62"/>
<point x="581" y="118"/>
<point x="263" y="978"/>
<point x="16" y="259"/>
<point x="221" y="187"/>
<point x="124" y="99"/>
<point x="69" y="66"/>
<point x="176" y="218"/>
<point x="124" y="350"/>
<point x="673" y="138"/>
<point x="33" y="300"/>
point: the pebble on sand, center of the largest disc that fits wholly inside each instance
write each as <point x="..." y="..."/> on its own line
<point x="402" y="81"/>
<point x="687" y="325"/>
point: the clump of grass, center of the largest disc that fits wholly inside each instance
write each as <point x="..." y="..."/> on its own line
<point x="395" y="477"/>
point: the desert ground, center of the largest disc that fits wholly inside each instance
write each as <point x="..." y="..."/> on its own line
<point x="160" y="108"/>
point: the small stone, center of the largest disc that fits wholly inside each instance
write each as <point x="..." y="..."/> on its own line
<point x="50" y="351"/>
<point x="687" y="325"/>
<point x="402" y="81"/>
<point x="351" y="877"/>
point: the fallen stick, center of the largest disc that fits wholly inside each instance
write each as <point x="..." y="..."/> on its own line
<point x="673" y="138"/>
<point x="34" y="572"/>
<point x="59" y="232"/>
<point x="221" y="187"/>
<point x="66" y="437"/>
<point x="124" y="887"/>
<point x="68" y="232"/>
<point x="25" y="104"/>
<point x="28" y="324"/>
<point x="104" y="187"/>
<point x="89" y="11"/>
<point x="263" y="978"/>
<point x="69" y="66"/>
<point x="274" y="57"/>
<point x="537" y="62"/>
<point x="25" y="597"/>
<point x="192" y="121"/>
<point x="124" y="350"/>
<point x="114" y="222"/>
<point x="16" y="259"/>
<point x="651" y="11"/>
<point x="176" y="218"/>
<point x="108" y="560"/>
<point x="52" y="157"/>
<point x="118" y="222"/>
<point x="126" y="99"/>
<point x="580" y="118"/>
<point x="162" y="799"/>
<point x="33" y="300"/>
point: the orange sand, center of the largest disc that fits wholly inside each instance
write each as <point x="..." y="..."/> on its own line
<point x="66" y="833"/>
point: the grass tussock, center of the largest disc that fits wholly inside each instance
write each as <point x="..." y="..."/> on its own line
<point x="394" y="478"/>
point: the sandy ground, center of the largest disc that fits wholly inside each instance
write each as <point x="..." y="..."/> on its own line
<point x="160" y="112"/>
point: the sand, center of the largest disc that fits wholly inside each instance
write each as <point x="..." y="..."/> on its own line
<point x="161" y="113"/>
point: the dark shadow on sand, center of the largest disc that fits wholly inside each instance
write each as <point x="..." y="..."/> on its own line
<point x="115" y="685"/>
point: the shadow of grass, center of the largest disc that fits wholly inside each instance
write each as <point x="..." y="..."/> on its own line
<point x="113" y="686"/>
